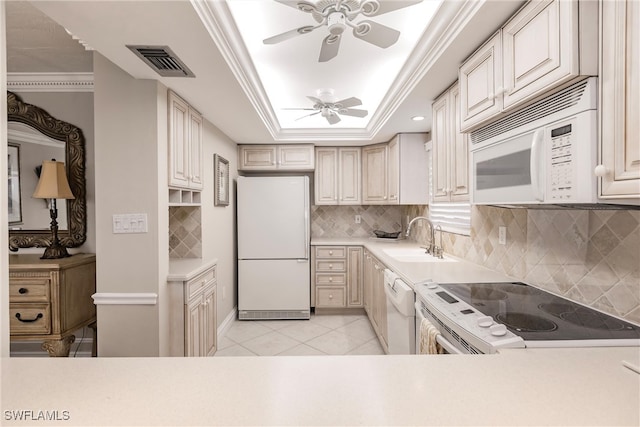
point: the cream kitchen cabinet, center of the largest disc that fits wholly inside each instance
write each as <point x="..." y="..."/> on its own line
<point x="276" y="157"/>
<point x="396" y="172"/>
<point x="450" y="160"/>
<point x="375" y="185"/>
<point x="337" y="277"/>
<point x="619" y="109"/>
<point x="546" y="45"/>
<point x="408" y="174"/>
<point x="375" y="298"/>
<point x="193" y="324"/>
<point x="337" y="176"/>
<point x="185" y="145"/>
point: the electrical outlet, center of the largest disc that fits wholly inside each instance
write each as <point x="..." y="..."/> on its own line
<point x="502" y="235"/>
<point x="358" y="219"/>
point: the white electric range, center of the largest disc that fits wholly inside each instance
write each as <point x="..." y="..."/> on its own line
<point x="477" y="318"/>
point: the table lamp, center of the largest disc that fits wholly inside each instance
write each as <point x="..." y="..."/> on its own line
<point x="53" y="185"/>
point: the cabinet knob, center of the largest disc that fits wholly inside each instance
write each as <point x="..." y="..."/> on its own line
<point x="330" y="266"/>
<point x="330" y="252"/>
<point x="330" y="296"/>
<point x="23" y="290"/>
<point x="331" y="279"/>
<point x="600" y="170"/>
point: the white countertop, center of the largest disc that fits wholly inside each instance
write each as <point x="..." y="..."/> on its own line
<point x="183" y="269"/>
<point x="415" y="272"/>
<point x="523" y="387"/>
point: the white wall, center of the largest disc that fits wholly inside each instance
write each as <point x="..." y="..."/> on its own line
<point x="129" y="148"/>
<point x="218" y="222"/>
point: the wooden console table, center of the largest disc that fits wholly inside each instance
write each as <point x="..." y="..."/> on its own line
<point x="49" y="299"/>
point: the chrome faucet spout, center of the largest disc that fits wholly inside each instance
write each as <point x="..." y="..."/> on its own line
<point x="431" y="231"/>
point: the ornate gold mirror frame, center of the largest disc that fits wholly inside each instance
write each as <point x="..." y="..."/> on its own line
<point x="76" y="232"/>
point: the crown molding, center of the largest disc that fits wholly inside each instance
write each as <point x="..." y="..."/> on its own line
<point x="50" y="82"/>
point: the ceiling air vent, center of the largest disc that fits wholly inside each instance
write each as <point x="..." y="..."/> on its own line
<point x="162" y="60"/>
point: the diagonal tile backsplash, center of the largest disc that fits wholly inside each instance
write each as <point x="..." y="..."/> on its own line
<point x="339" y="221"/>
<point x="590" y="256"/>
<point x="185" y="232"/>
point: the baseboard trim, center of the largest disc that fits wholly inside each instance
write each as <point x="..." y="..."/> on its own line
<point x="227" y="322"/>
<point x="115" y="298"/>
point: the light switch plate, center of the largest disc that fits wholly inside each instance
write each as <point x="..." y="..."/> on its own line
<point x="130" y="223"/>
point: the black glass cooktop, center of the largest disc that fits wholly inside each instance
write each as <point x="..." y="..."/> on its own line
<point x="535" y="314"/>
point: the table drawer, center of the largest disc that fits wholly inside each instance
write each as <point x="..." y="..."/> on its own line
<point x="29" y="319"/>
<point x="330" y="296"/>
<point x="331" y="265"/>
<point x="331" y="252"/>
<point x="29" y="290"/>
<point x="195" y="285"/>
<point x="339" y="279"/>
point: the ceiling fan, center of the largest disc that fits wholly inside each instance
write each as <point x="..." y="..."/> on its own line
<point x="332" y="110"/>
<point x="337" y="16"/>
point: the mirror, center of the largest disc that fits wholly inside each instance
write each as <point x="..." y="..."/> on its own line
<point x="57" y="138"/>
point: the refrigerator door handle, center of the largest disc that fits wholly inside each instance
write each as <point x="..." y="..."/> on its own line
<point x="306" y="220"/>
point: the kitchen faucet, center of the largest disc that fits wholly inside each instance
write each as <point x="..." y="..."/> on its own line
<point x="431" y="247"/>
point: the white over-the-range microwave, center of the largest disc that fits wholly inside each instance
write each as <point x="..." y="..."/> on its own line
<point x="544" y="154"/>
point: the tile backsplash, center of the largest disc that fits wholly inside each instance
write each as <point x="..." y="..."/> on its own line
<point x="185" y="232"/>
<point x="339" y="221"/>
<point x="589" y="256"/>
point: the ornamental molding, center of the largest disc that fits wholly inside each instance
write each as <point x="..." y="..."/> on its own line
<point x="50" y="82"/>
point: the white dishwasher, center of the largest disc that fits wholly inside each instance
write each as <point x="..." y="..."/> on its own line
<point x="401" y="314"/>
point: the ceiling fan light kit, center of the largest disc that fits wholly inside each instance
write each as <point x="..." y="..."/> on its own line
<point x="337" y="15"/>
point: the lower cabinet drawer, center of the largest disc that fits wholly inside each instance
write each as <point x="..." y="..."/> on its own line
<point x="29" y="290"/>
<point x="331" y="279"/>
<point x="331" y="265"/>
<point x="195" y="285"/>
<point x="331" y="296"/>
<point x="29" y="319"/>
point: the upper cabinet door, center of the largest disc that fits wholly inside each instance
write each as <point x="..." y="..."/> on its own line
<point x="394" y="170"/>
<point x="179" y="156"/>
<point x="257" y="157"/>
<point x="296" y="157"/>
<point x="459" y="151"/>
<point x="440" y="130"/>
<point x="481" y="83"/>
<point x="326" y="176"/>
<point x="619" y="101"/>
<point x="349" y="176"/>
<point x="374" y="174"/>
<point x="540" y="48"/>
<point x="195" y="150"/>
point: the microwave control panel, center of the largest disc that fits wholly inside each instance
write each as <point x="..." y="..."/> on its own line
<point x="562" y="164"/>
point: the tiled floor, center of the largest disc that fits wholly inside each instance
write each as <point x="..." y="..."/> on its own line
<point x="321" y="335"/>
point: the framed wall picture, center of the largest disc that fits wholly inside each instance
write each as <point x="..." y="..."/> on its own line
<point x="221" y="180"/>
<point x="13" y="175"/>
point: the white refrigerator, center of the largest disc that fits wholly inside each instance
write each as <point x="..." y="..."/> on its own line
<point x="274" y="270"/>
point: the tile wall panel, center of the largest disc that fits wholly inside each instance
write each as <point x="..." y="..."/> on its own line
<point x="185" y="232"/>
<point x="339" y="221"/>
<point x="590" y="256"/>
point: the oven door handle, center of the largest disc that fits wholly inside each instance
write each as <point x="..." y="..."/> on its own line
<point x="449" y="348"/>
<point x="446" y="345"/>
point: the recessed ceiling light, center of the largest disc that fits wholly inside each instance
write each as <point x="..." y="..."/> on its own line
<point x="417" y="118"/>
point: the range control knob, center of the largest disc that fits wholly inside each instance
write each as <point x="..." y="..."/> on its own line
<point x="485" y="321"/>
<point x="498" y="330"/>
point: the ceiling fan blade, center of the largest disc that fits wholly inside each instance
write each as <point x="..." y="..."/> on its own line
<point x="377" y="34"/>
<point x="355" y="112"/>
<point x="329" y="49"/>
<point x="315" y="100"/>
<point x="332" y="118"/>
<point x="289" y="34"/>
<point x="348" y="102"/>
<point x="308" y="115"/>
<point x="302" y="5"/>
<point x="299" y="109"/>
<point x="375" y="8"/>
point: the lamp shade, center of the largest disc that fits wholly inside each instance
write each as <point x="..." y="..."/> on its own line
<point x="53" y="182"/>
